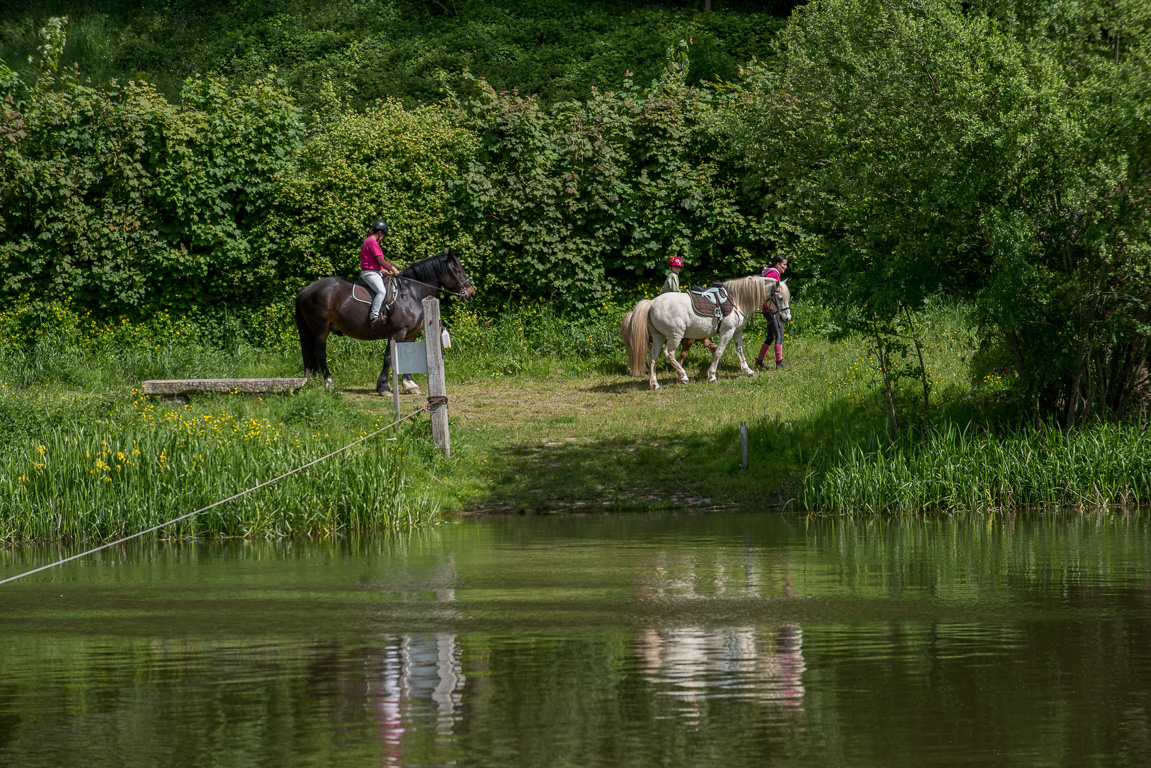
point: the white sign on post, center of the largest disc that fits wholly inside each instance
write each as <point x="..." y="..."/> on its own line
<point x="420" y="357"/>
<point x="411" y="357"/>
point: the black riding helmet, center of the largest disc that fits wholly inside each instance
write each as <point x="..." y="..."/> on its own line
<point x="380" y="226"/>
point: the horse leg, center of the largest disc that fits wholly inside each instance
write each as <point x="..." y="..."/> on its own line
<point x="743" y="366"/>
<point x="672" y="343"/>
<point x="314" y="349"/>
<point x="721" y="344"/>
<point x="653" y="356"/>
<point x="686" y="345"/>
<point x="382" y="387"/>
<point x="321" y="352"/>
<point x="383" y="384"/>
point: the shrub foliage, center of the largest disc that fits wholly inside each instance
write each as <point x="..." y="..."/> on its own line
<point x="897" y="151"/>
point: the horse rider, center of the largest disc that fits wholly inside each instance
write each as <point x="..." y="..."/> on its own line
<point x="773" y="271"/>
<point x="372" y="266"/>
<point x="671" y="285"/>
<point x="671" y="282"/>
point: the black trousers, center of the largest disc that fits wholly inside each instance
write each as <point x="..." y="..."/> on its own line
<point x="774" y="329"/>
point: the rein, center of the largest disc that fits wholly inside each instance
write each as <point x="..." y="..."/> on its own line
<point x="467" y="282"/>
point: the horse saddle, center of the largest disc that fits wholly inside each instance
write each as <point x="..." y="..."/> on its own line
<point x="712" y="302"/>
<point x="362" y="293"/>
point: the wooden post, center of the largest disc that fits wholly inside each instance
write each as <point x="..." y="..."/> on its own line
<point x="395" y="382"/>
<point x="437" y="388"/>
<point x="743" y="443"/>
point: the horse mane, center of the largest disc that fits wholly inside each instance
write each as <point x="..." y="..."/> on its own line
<point x="748" y="293"/>
<point x="428" y="270"/>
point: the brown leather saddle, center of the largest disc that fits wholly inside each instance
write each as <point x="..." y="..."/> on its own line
<point x="711" y="302"/>
<point x="362" y="293"/>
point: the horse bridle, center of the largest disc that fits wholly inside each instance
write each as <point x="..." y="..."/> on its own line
<point x="467" y="282"/>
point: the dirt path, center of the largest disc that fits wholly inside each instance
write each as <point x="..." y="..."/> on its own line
<point x="526" y="445"/>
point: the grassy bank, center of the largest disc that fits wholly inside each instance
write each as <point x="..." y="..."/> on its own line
<point x="547" y="423"/>
<point x="86" y="456"/>
<point x="544" y="418"/>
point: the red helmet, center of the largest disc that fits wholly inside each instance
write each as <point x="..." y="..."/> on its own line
<point x="675" y="261"/>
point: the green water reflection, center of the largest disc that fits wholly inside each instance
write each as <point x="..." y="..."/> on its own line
<point x="607" y="641"/>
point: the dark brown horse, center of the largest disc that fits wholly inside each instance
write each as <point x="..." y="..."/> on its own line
<point x="328" y="306"/>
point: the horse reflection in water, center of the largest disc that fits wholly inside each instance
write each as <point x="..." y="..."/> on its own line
<point x="691" y="663"/>
<point x="421" y="678"/>
<point x="756" y="664"/>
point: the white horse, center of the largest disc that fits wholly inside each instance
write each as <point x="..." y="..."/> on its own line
<point x="669" y="318"/>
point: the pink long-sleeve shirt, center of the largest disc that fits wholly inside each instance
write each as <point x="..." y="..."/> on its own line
<point x="372" y="256"/>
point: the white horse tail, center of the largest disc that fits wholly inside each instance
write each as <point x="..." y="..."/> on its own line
<point x="633" y="330"/>
<point x="625" y="335"/>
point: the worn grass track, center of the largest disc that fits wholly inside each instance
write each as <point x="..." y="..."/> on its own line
<point x="604" y="441"/>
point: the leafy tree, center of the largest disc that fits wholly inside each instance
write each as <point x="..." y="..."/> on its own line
<point x="915" y="148"/>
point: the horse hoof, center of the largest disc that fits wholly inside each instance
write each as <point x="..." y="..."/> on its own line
<point x="412" y="390"/>
<point x="384" y="392"/>
<point x="327" y="383"/>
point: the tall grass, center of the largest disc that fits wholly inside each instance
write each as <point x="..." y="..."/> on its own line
<point x="961" y="470"/>
<point x="86" y="456"/>
<point x="145" y="463"/>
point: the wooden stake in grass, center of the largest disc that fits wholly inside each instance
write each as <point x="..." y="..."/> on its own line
<point x="437" y="388"/>
<point x="395" y="381"/>
<point x="743" y="443"/>
<point x="922" y="365"/>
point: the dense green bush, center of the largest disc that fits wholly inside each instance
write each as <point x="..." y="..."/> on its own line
<point x="411" y="50"/>
<point x="583" y="198"/>
<point x="119" y="200"/>
<point x="356" y="167"/>
<point x="130" y="203"/>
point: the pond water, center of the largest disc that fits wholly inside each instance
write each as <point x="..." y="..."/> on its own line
<point x="712" y="640"/>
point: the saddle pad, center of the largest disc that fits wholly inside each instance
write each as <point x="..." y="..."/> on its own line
<point x="711" y="302"/>
<point x="361" y="292"/>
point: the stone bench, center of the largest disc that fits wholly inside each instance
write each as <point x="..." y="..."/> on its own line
<point x="179" y="389"/>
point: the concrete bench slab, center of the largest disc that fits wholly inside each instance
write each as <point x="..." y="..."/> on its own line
<point x="173" y="387"/>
